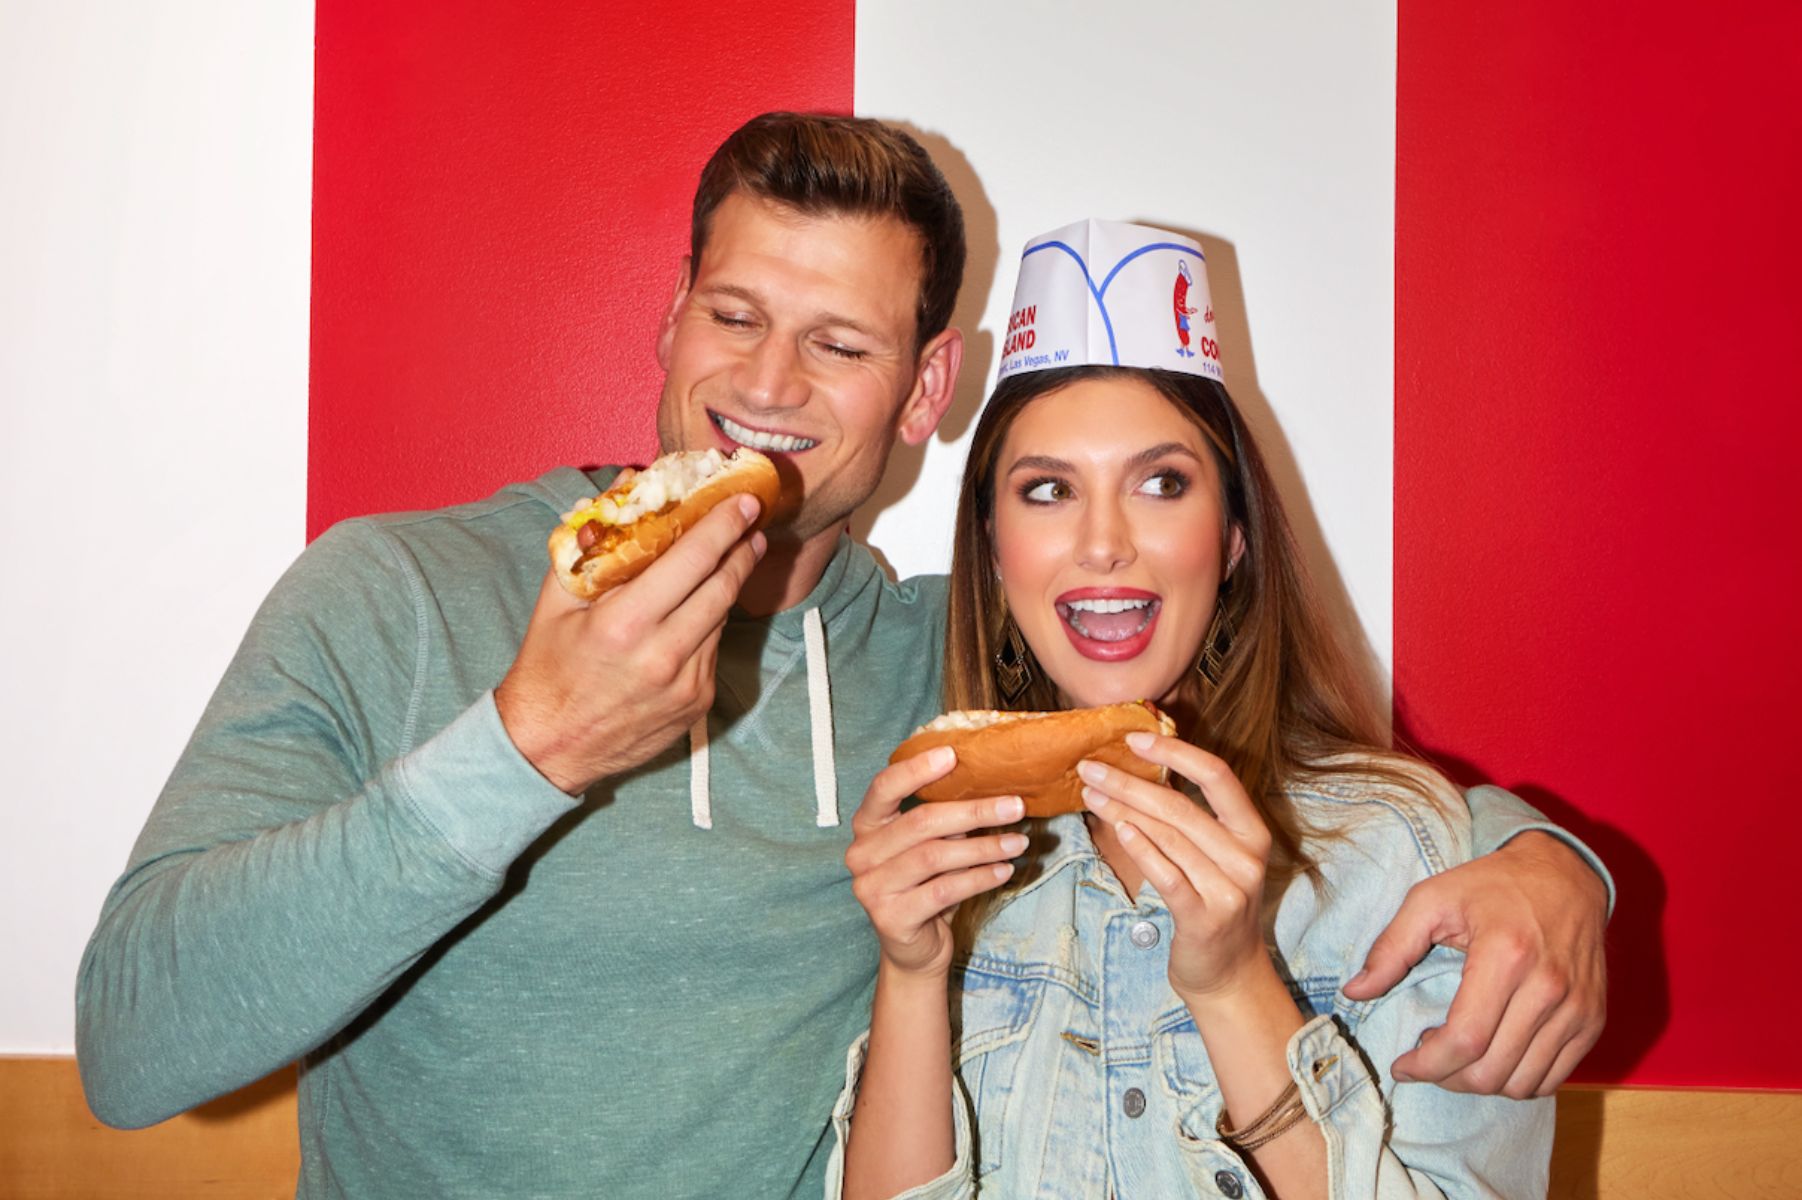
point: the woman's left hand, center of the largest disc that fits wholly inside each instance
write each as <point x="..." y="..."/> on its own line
<point x="1209" y="868"/>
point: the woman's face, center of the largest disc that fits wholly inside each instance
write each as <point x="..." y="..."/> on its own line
<point x="1108" y="538"/>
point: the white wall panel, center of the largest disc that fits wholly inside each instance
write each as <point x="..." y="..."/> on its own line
<point x="154" y="185"/>
<point x="1267" y="130"/>
<point x="155" y="166"/>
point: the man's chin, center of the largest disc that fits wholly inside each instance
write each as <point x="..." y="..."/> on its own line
<point x="797" y="526"/>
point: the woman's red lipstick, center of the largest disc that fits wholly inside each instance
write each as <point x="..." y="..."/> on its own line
<point x="1111" y="636"/>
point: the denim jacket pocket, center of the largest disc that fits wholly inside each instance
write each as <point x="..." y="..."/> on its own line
<point x="991" y="1016"/>
<point x="1183" y="1065"/>
<point x="1183" y="1069"/>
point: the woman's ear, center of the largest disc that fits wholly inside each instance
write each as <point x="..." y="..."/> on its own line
<point x="1235" y="550"/>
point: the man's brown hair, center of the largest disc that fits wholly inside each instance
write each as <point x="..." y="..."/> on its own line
<point x="827" y="165"/>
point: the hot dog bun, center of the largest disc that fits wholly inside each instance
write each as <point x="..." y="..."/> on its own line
<point x="644" y="512"/>
<point x="1034" y="754"/>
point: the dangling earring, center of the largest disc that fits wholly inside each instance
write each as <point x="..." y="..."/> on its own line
<point x="1216" y="644"/>
<point x="1013" y="662"/>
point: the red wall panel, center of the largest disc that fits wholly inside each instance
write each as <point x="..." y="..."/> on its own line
<point x="1597" y="556"/>
<point x="500" y="200"/>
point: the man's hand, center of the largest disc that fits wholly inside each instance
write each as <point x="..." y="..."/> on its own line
<point x="600" y="688"/>
<point x="1530" y="918"/>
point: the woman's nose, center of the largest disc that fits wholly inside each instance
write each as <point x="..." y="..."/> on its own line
<point x="1105" y="541"/>
<point x="769" y="375"/>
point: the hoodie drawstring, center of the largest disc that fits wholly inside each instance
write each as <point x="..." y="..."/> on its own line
<point x="819" y="717"/>
<point x="700" y="801"/>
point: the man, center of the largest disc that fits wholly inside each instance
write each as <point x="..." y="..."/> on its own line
<point x="549" y="899"/>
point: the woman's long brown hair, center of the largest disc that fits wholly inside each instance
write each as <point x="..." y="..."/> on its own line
<point x="1289" y="699"/>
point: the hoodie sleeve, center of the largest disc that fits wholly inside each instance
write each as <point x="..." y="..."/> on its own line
<point x="1497" y="816"/>
<point x="286" y="877"/>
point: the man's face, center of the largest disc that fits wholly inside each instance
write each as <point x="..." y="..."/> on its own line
<point x="794" y="335"/>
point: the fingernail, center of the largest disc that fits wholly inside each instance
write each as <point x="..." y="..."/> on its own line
<point x="759" y="543"/>
<point x="1013" y="843"/>
<point x="1355" y="980"/>
<point x="1003" y="870"/>
<point x="1011" y="809"/>
<point x="1094" y="799"/>
<point x="1125" y="832"/>
<point x="1401" y="1077"/>
<point x="1093" y="772"/>
<point x="1138" y="742"/>
<point x="748" y="506"/>
<point x="940" y="757"/>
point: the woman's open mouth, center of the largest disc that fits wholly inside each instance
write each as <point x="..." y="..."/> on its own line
<point x="1109" y="624"/>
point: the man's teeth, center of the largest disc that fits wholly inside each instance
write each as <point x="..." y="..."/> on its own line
<point x="761" y="441"/>
<point x="1107" y="606"/>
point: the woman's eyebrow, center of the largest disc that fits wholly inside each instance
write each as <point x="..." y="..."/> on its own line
<point x="1159" y="451"/>
<point x="1038" y="462"/>
<point x="1044" y="462"/>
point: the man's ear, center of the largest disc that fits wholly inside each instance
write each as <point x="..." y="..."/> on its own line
<point x="666" y="335"/>
<point x="935" y="381"/>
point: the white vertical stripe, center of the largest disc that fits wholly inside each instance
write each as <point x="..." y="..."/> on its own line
<point x="155" y="189"/>
<point x="1269" y="130"/>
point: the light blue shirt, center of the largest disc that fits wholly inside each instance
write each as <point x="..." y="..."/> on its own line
<point x="1080" y="1074"/>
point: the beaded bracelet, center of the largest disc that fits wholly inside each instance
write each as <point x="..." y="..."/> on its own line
<point x="1282" y="1116"/>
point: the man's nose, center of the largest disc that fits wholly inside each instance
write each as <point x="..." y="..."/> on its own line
<point x="769" y="376"/>
<point x="1104" y="540"/>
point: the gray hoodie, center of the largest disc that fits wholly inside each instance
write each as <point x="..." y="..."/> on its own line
<point x="496" y="989"/>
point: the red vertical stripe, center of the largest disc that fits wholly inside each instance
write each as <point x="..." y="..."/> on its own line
<point x="1598" y="567"/>
<point x="501" y="196"/>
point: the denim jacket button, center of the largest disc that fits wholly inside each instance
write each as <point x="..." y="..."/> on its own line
<point x="1133" y="1102"/>
<point x="1144" y="935"/>
<point x="1229" y="1185"/>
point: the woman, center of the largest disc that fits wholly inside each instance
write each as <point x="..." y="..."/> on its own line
<point x="1151" y="1007"/>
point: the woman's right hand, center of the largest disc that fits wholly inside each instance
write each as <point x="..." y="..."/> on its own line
<point x="910" y="870"/>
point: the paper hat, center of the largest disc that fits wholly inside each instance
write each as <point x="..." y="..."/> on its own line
<point x="1104" y="293"/>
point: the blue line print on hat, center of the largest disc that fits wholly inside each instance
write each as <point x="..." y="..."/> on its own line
<point x="1100" y="303"/>
<point x="1088" y="279"/>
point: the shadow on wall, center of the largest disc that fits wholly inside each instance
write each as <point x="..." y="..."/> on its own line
<point x="982" y="238"/>
<point x="1639" y="990"/>
<point x="1233" y="330"/>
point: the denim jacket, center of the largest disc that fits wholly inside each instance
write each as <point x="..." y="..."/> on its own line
<point x="1080" y="1074"/>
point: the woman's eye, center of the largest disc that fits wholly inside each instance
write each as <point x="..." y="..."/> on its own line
<point x="1166" y="484"/>
<point x="1045" y="491"/>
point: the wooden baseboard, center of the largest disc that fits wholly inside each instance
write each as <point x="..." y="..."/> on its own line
<point x="1620" y="1143"/>
<point x="245" y="1146"/>
<point x="1613" y="1143"/>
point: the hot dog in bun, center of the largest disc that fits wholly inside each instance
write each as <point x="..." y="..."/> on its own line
<point x="608" y="540"/>
<point x="1033" y="755"/>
